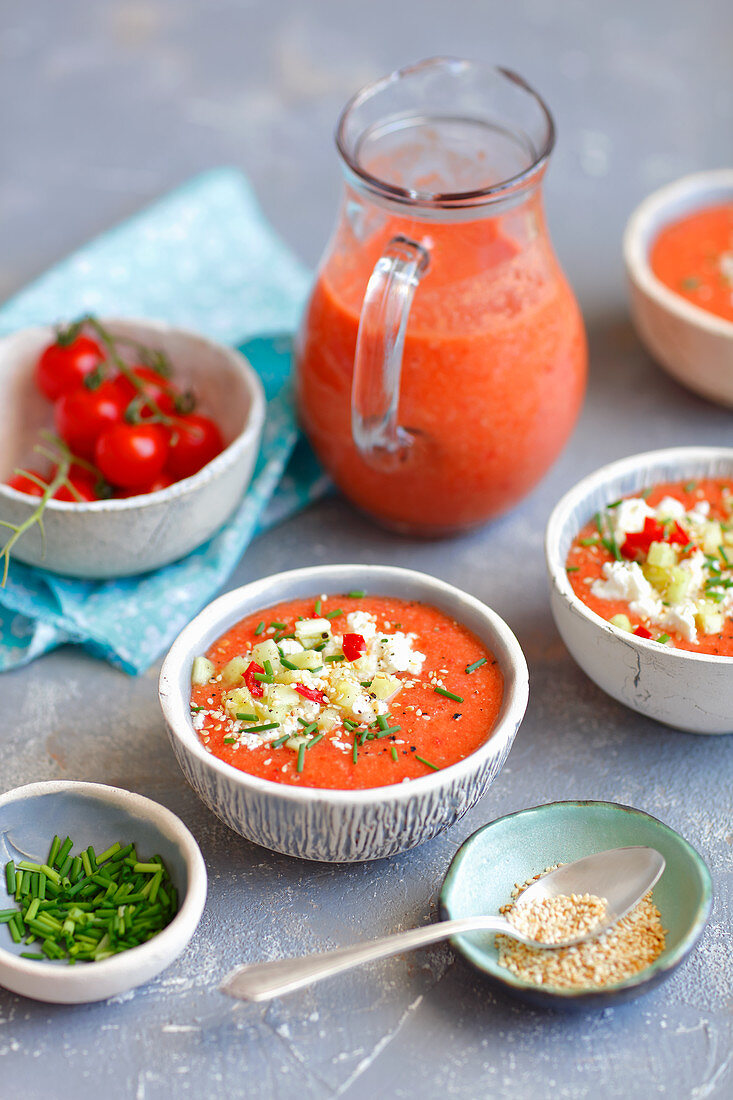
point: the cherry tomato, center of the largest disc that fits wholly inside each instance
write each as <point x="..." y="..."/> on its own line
<point x="24" y="484"/>
<point x="131" y="455"/>
<point x="62" y="368"/>
<point x="162" y="481"/>
<point x="85" y="483"/>
<point x="82" y="415"/>
<point x="157" y="387"/>
<point x="194" y="441"/>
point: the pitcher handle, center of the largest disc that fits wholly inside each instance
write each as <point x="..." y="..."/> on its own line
<point x="375" y="390"/>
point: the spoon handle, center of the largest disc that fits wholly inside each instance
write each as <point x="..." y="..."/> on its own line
<point x="263" y="981"/>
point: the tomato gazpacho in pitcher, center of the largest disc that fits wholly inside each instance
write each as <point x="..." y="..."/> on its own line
<point x="345" y="692"/>
<point x="441" y="360"/>
<point x="660" y="565"/>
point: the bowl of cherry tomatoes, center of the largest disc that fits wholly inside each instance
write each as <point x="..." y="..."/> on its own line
<point x="130" y="440"/>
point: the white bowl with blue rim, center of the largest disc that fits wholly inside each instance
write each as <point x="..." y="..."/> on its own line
<point x="694" y="345"/>
<point x="117" y="538"/>
<point x="341" y="826"/>
<point x="93" y="813"/>
<point x="689" y="691"/>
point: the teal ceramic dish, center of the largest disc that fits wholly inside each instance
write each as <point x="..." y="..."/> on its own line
<point x="514" y="848"/>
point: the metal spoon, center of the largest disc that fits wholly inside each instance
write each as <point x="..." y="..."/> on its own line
<point x="620" y="875"/>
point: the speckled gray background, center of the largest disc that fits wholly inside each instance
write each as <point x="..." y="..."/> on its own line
<point x="106" y="105"/>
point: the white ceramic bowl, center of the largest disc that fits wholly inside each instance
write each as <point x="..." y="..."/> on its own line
<point x="92" y="813"/>
<point x="117" y="538"/>
<point x="693" y="345"/>
<point x="690" y="691"/>
<point x="335" y="825"/>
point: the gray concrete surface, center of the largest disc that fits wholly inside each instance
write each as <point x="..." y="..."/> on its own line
<point x="106" y="105"/>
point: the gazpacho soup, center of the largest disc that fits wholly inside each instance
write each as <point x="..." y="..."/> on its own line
<point x="660" y="565"/>
<point x="694" y="257"/>
<point x="345" y="692"/>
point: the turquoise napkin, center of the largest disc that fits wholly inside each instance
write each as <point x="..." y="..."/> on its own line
<point x="204" y="258"/>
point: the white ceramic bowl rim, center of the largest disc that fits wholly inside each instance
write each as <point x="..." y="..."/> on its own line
<point x="685" y="195"/>
<point x="58" y="976"/>
<point x="246" y="438"/>
<point x="332" y="577"/>
<point x="563" y="511"/>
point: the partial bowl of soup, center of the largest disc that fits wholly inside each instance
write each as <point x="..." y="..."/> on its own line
<point x="640" y="562"/>
<point x="678" y="252"/>
<point x="343" y="713"/>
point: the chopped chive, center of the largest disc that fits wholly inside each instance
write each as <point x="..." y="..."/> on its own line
<point x="264" y="677"/>
<point x="280" y="741"/>
<point x="244" y="716"/>
<point x="366" y="683"/>
<point x="260" y="627"/>
<point x="388" y="731"/>
<point x="111" y="851"/>
<point x="63" y="852"/>
<point x="27" y="865"/>
<point x="279" y="626"/>
<point x="318" y="608"/>
<point x="614" y="504"/>
<point x="318" y="648"/>
<point x="393" y="751"/>
<point x="689" y="546"/>
<point x="349" y="724"/>
<point x="645" y="493"/>
<point x="32" y="955"/>
<point x="286" y="663"/>
<point x="268" y="668"/>
<point x="10" y="876"/>
<point x="690" y="486"/>
<point x="314" y="740"/>
<point x="54" y="850"/>
<point x="301" y="757"/>
<point x="476" y="664"/>
<point x="572" y="568"/>
<point x="663" y="638"/>
<point x="355" y="749"/>
<point x="427" y="763"/>
<point x="197" y="709"/>
<point x="263" y="728"/>
<point x="448" y="694"/>
<point x="333" y="614"/>
<point x="593" y="541"/>
<point x="335" y="657"/>
<point x="357" y="594"/>
<point x="282" y="637"/>
<point x="382" y="721"/>
<point x="230" y="740"/>
<point x="724" y="555"/>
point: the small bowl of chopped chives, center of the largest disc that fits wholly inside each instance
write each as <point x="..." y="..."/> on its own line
<point x="100" y="890"/>
<point x="642" y="950"/>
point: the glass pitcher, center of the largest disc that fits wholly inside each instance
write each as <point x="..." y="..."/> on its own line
<point x="441" y="360"/>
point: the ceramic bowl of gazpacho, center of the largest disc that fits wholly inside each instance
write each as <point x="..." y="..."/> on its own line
<point x="678" y="251"/>
<point x="66" y="849"/>
<point x="343" y="713"/>
<point x="122" y="536"/>
<point x="640" y="562"/>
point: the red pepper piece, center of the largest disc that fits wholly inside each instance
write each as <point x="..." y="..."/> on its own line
<point x="678" y="535"/>
<point x="353" y="646"/>
<point x="256" y="687"/>
<point x="313" y="694"/>
<point x="638" y="542"/>
<point x="642" y="632"/>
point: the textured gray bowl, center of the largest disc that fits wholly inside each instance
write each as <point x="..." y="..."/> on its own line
<point x="690" y="691"/>
<point x="332" y="825"/>
<point x="118" y="538"/>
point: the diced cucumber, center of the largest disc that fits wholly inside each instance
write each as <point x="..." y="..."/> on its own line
<point x="662" y="554"/>
<point x="239" y="701"/>
<point x="295" y="742"/>
<point x="292" y="676"/>
<point x="327" y="719"/>
<point x="385" y="686"/>
<point x="623" y="622"/>
<point x="659" y="578"/>
<point x="712" y="537"/>
<point x="280" y="695"/>
<point x="345" y="695"/>
<point x="310" y="632"/>
<point x="267" y="651"/>
<point x="202" y="671"/>
<point x="307" y="658"/>
<point x="679" y="584"/>
<point x="709" y="617"/>
<point x="234" y="671"/>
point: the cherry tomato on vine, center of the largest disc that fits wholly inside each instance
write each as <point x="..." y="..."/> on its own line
<point x="194" y="441"/>
<point x="157" y="387"/>
<point x="162" y="481"/>
<point x="24" y="484"/>
<point x="82" y="415"/>
<point x="131" y="455"/>
<point x="85" y="483"/>
<point x="62" y="368"/>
